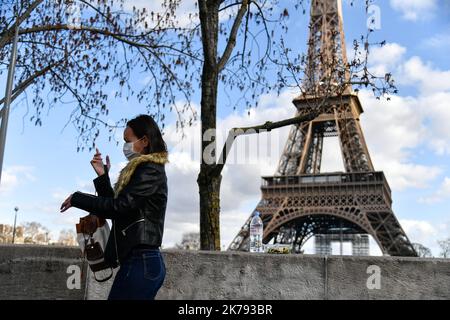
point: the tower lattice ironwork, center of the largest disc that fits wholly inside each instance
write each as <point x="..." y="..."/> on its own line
<point x="299" y="201"/>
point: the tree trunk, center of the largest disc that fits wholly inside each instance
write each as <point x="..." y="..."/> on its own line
<point x="209" y="178"/>
<point x="209" y="189"/>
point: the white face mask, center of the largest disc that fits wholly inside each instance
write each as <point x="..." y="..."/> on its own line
<point x="128" y="150"/>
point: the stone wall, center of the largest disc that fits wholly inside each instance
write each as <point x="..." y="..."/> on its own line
<point x="227" y="275"/>
<point x="40" y="272"/>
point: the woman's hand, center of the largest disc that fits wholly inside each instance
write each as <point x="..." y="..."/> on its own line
<point x="97" y="163"/>
<point x="66" y="204"/>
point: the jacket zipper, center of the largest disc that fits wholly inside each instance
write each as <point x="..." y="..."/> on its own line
<point x="132" y="224"/>
<point x="115" y="244"/>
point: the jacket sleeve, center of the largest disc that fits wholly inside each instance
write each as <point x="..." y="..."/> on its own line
<point x="144" y="182"/>
<point x="103" y="186"/>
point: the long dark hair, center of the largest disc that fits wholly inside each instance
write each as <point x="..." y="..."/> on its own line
<point x="144" y="125"/>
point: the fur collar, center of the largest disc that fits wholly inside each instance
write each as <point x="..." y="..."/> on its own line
<point x="127" y="171"/>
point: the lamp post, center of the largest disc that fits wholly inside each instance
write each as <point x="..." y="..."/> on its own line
<point x="4" y="113"/>
<point x="15" y="219"/>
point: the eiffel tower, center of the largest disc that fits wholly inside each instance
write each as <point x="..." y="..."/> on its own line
<point x="299" y="201"/>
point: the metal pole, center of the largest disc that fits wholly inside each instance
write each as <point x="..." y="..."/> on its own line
<point x="9" y="84"/>
<point x="15" y="219"/>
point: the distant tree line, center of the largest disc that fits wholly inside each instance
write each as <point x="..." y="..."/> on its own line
<point x="36" y="233"/>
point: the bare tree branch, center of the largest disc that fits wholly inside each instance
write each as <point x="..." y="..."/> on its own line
<point x="233" y="34"/>
<point x="9" y="34"/>
<point x="21" y="87"/>
<point x="67" y="27"/>
<point x="267" y="126"/>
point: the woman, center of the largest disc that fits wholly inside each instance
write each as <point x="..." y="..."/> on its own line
<point x="137" y="207"/>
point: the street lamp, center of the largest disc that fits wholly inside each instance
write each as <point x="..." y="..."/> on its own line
<point x="4" y="112"/>
<point x="15" y="219"/>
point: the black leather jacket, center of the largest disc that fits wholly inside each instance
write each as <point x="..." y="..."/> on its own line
<point x="137" y="213"/>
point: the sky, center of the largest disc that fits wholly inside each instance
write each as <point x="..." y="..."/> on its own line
<point x="408" y="137"/>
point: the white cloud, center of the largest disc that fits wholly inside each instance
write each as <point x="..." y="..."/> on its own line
<point x="385" y="126"/>
<point x="423" y="75"/>
<point x="51" y="207"/>
<point x="332" y="160"/>
<point x="438" y="41"/>
<point x="14" y="176"/>
<point x="418" y="230"/>
<point x="391" y="140"/>
<point x="415" y="9"/>
<point x="428" y="113"/>
<point x="441" y="194"/>
<point x="436" y="108"/>
<point x="425" y="233"/>
<point x="413" y="71"/>
<point x="387" y="56"/>
<point x="381" y="59"/>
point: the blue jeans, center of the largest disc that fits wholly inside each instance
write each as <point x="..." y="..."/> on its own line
<point x="140" y="276"/>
